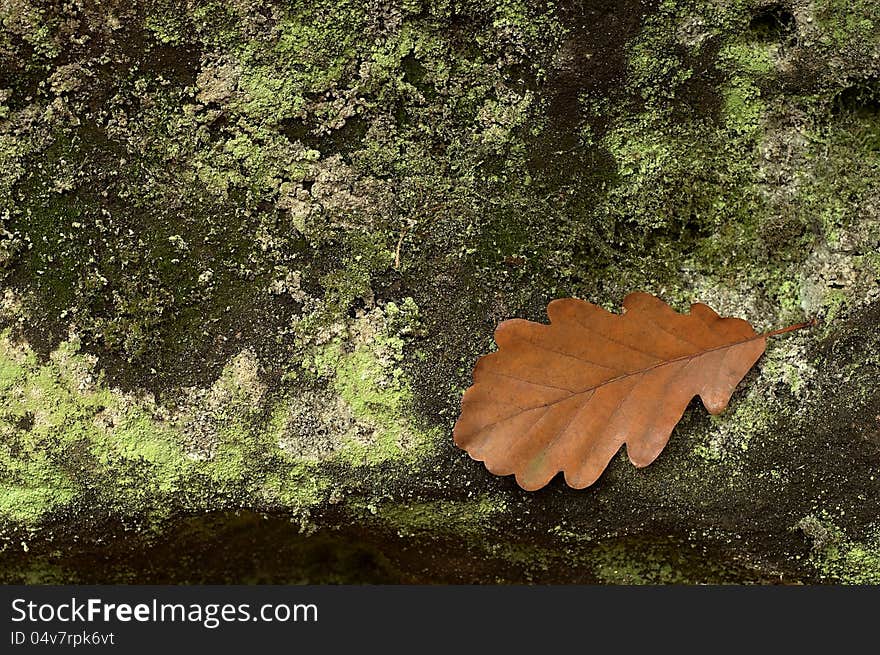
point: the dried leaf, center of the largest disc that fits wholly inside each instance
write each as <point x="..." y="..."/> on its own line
<point x="566" y="396"/>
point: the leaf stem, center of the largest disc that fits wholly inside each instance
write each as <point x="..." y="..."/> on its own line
<point x="791" y="328"/>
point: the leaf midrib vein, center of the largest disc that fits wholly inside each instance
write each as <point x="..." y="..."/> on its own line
<point x="624" y="376"/>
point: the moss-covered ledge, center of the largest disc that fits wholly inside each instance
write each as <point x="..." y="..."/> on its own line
<point x="783" y="488"/>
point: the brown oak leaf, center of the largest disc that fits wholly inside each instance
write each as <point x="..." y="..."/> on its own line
<point x="566" y="396"/>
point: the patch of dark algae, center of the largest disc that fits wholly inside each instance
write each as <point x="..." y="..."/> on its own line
<point x="219" y="548"/>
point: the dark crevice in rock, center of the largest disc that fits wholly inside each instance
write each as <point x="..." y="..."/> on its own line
<point x="773" y="22"/>
<point x="860" y="98"/>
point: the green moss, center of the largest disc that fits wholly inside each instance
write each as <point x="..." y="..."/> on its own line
<point x="296" y="487"/>
<point x="40" y="422"/>
<point x="693" y="181"/>
<point x="704" y="183"/>
<point x="234" y="206"/>
<point x="853" y="25"/>
<point x="838" y="558"/>
<point x="167" y="28"/>
<point x="244" y="140"/>
<point x="657" y="68"/>
<point x="754" y="410"/>
<point x="749" y="58"/>
<point x="366" y="254"/>
<point x="370" y="380"/>
<point x="13" y="149"/>
<point x="859" y="564"/>
<point x="33" y="24"/>
<point x="637" y="562"/>
<point x="844" y="171"/>
<point x="29" y="505"/>
<point x="68" y="438"/>
<point x="314" y="48"/>
<point x="469" y="519"/>
<point x="744" y="109"/>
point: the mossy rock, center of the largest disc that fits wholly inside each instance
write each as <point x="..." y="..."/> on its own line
<point x="250" y="253"/>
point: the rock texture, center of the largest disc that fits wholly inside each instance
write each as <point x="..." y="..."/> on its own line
<point x="251" y="250"/>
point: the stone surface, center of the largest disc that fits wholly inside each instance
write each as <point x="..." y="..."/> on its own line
<point x="250" y="252"/>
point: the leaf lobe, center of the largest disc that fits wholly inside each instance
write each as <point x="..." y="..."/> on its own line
<point x="566" y="396"/>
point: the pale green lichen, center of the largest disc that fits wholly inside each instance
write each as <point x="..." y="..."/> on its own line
<point x="744" y="108"/>
<point x="630" y="563"/>
<point x="31" y="23"/>
<point x="754" y="410"/>
<point x="839" y="558"/>
<point x="401" y="153"/>
<point x="467" y="519"/>
<point x="750" y="58"/>
<point x="67" y="432"/>
<point x="68" y="437"/>
<point x="853" y="25"/>
<point x="364" y="369"/>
